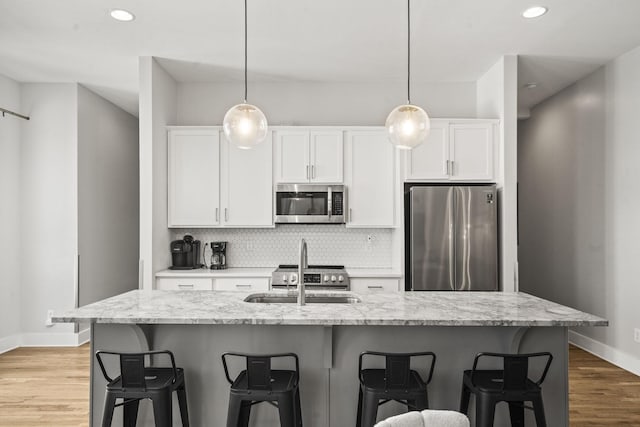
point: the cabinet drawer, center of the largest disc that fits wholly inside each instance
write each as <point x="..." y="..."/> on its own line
<point x="242" y="284"/>
<point x="184" y="284"/>
<point x="369" y="285"/>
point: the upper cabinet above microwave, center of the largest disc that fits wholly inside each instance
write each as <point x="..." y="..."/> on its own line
<point x="212" y="183"/>
<point x="455" y="151"/>
<point x="309" y="156"/>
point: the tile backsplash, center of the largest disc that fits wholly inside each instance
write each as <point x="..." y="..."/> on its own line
<point x="327" y="244"/>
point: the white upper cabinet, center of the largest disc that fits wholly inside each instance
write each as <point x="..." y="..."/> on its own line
<point x="309" y="156"/>
<point x="213" y="183"/>
<point x="247" y="189"/>
<point x="370" y="173"/>
<point x="471" y="150"/>
<point x="454" y="152"/>
<point x="194" y="178"/>
<point x="292" y="156"/>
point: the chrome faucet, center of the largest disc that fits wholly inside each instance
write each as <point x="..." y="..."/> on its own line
<point x="302" y="265"/>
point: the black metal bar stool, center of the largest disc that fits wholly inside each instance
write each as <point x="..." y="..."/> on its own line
<point x="259" y="383"/>
<point x="397" y="382"/>
<point x="511" y="385"/>
<point x="137" y="381"/>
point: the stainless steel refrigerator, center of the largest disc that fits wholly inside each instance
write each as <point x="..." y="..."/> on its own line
<point x="451" y="237"/>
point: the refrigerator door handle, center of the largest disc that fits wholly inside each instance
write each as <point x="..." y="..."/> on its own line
<point x="452" y="241"/>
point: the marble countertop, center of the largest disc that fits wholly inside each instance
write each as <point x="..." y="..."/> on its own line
<point x="400" y="309"/>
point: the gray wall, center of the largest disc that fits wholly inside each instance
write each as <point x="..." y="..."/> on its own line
<point x="9" y="213"/>
<point x="578" y="169"/>
<point x="108" y="190"/>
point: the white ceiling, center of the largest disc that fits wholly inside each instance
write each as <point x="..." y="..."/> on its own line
<point x="321" y="40"/>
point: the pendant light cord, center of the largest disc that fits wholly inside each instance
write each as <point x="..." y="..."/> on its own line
<point x="245" y="51"/>
<point x="408" y="52"/>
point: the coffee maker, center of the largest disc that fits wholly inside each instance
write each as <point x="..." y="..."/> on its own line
<point x="185" y="254"/>
<point x="218" y="255"/>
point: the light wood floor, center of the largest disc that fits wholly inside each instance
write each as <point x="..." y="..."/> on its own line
<point x="50" y="387"/>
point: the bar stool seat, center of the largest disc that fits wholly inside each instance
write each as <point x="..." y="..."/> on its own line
<point x="137" y="381"/>
<point x="259" y="383"/>
<point x="397" y="382"/>
<point x="510" y="385"/>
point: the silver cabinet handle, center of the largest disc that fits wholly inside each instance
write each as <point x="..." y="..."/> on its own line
<point x="453" y="167"/>
<point x="217" y="216"/>
<point x="350" y="214"/>
<point x="243" y="286"/>
<point x="375" y="287"/>
<point x="313" y="172"/>
<point x="182" y="286"/>
<point x="448" y="168"/>
<point x="226" y="215"/>
<point x="307" y="171"/>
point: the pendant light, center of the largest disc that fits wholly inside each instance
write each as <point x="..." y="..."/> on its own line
<point x="244" y="124"/>
<point x="408" y="125"/>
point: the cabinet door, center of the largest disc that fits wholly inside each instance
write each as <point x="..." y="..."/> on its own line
<point x="371" y="285"/>
<point x="292" y="156"/>
<point x="326" y="156"/>
<point x="194" y="178"/>
<point x="241" y="284"/>
<point x="184" y="284"/>
<point x="371" y="179"/>
<point x="471" y="152"/>
<point x="429" y="159"/>
<point x="247" y="189"/>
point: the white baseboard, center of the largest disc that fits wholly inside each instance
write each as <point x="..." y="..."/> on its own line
<point x="606" y="352"/>
<point x="66" y="339"/>
<point x="9" y="343"/>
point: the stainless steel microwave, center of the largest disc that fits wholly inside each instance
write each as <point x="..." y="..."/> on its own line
<point x="310" y="204"/>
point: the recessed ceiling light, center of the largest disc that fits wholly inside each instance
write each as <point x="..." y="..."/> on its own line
<point x="531" y="85"/>
<point x="122" y="15"/>
<point x="534" y="12"/>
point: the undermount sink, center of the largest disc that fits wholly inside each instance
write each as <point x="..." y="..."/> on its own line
<point x="310" y="299"/>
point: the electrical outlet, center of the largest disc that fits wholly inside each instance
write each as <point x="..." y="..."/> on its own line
<point x="636" y="335"/>
<point x="49" y="316"/>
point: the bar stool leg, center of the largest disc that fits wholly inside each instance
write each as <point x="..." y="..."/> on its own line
<point x="359" y="414"/>
<point x="421" y="402"/>
<point x="516" y="413"/>
<point x="182" y="403"/>
<point x="369" y="409"/>
<point x="245" y="414"/>
<point x="286" y="410"/>
<point x="464" y="399"/>
<point x="485" y="410"/>
<point x="162" y="409"/>
<point x="131" y="413"/>
<point x="538" y="410"/>
<point x="109" y="405"/>
<point x="233" y="413"/>
<point x="298" y="409"/>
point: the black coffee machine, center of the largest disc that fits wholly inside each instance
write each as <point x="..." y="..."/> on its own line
<point x="185" y="254"/>
<point x="218" y="255"/>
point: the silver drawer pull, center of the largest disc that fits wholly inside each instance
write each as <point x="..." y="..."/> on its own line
<point x="375" y="287"/>
<point x="180" y="285"/>
<point x="243" y="286"/>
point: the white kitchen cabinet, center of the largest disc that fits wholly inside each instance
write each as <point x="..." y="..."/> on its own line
<point x="213" y="183"/>
<point x="184" y="284"/>
<point x="247" y="185"/>
<point x="194" y="178"/>
<point x="257" y="284"/>
<point x="372" y="285"/>
<point x="370" y="165"/>
<point x="309" y="156"/>
<point x="454" y="152"/>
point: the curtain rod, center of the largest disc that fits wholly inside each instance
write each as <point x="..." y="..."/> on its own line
<point x="13" y="113"/>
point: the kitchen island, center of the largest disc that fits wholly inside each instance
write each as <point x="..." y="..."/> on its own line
<point x="198" y="326"/>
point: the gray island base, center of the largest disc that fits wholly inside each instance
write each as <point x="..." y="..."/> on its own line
<point x="199" y="326"/>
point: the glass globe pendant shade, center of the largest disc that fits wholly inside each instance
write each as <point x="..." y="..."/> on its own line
<point x="408" y="126"/>
<point x="245" y="126"/>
